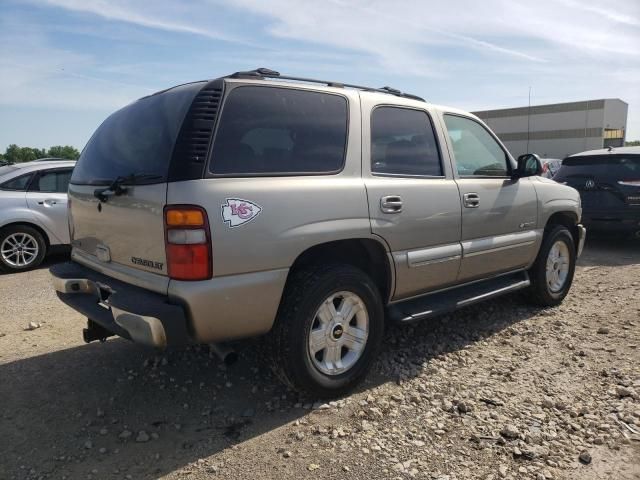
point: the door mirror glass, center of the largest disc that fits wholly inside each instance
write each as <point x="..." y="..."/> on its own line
<point x="529" y="165"/>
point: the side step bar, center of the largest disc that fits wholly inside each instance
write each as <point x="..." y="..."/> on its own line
<point x="447" y="301"/>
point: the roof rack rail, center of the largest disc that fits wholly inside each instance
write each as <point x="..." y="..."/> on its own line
<point x="268" y="73"/>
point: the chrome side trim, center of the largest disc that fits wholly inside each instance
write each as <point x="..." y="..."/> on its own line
<point x="439" y="254"/>
<point x="480" y="246"/>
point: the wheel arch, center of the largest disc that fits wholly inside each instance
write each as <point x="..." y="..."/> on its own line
<point x="36" y="227"/>
<point x="367" y="254"/>
<point x="568" y="219"/>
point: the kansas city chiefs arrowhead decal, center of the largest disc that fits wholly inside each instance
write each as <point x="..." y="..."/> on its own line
<point x="237" y="211"/>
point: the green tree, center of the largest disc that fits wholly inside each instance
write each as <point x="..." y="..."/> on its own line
<point x="67" y="151"/>
<point x="17" y="154"/>
<point x="632" y="143"/>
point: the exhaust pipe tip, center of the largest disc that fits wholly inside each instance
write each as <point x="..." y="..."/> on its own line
<point x="224" y="352"/>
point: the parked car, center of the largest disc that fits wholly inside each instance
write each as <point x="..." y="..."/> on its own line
<point x="33" y="217"/>
<point x="609" y="184"/>
<point x="312" y="211"/>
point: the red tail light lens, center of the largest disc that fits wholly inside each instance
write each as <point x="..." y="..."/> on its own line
<point x="188" y="243"/>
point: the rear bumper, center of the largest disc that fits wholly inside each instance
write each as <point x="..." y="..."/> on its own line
<point x="616" y="220"/>
<point x="123" y="309"/>
<point x="214" y="310"/>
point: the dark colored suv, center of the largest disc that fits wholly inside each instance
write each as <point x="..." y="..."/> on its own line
<point x="609" y="184"/>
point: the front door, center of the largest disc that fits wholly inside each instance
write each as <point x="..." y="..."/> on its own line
<point x="499" y="214"/>
<point x="413" y="200"/>
<point x="47" y="200"/>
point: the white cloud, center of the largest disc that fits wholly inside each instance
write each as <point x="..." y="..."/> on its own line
<point x="159" y="16"/>
<point x="468" y="52"/>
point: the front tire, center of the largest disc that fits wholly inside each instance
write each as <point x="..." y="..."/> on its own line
<point x="21" y="248"/>
<point x="552" y="273"/>
<point x="328" y="331"/>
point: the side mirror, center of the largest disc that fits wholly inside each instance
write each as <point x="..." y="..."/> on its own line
<point x="529" y="165"/>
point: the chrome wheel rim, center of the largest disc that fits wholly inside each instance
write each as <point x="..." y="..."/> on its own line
<point x="19" y="249"/>
<point x="339" y="333"/>
<point x="558" y="266"/>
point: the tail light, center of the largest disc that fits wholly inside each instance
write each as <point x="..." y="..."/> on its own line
<point x="188" y="242"/>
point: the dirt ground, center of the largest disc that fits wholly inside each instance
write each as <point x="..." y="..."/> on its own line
<point x="499" y="390"/>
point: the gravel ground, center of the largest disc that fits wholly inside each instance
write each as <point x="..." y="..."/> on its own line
<point x="499" y="390"/>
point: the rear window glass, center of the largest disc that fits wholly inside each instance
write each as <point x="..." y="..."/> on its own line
<point x="137" y="139"/>
<point x="280" y="131"/>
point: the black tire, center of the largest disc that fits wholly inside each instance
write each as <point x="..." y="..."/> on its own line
<point x="5" y="265"/>
<point x="540" y="293"/>
<point x="288" y="340"/>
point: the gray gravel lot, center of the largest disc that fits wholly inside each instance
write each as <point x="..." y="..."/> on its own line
<point x="500" y="390"/>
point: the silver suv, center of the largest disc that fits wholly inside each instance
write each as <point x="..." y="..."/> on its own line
<point x="33" y="211"/>
<point x="310" y="211"/>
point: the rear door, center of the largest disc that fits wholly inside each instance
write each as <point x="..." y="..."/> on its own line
<point x="413" y="200"/>
<point x="499" y="215"/>
<point x="47" y="200"/>
<point x="122" y="234"/>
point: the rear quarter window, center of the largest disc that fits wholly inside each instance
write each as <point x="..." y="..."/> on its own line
<point x="18" y="183"/>
<point x="280" y="131"/>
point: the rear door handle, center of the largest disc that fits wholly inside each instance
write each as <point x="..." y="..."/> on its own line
<point x="48" y="202"/>
<point x="391" y="204"/>
<point x="471" y="200"/>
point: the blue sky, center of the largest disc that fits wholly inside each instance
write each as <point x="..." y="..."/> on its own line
<point x="66" y="64"/>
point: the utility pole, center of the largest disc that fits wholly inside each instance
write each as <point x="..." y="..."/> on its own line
<point x="528" y="120"/>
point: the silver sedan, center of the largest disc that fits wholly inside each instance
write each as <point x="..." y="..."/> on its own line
<point x="33" y="213"/>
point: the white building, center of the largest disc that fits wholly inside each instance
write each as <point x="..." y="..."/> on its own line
<point x="561" y="129"/>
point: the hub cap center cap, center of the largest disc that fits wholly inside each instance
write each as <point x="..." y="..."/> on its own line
<point x="337" y="331"/>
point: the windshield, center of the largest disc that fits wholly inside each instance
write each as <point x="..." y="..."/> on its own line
<point x="137" y="139"/>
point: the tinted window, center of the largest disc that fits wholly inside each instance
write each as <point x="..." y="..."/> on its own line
<point x="19" y="183"/>
<point x="402" y="142"/>
<point x="266" y="130"/>
<point x="476" y="152"/>
<point x="52" y="181"/>
<point x="137" y="139"/>
<point x="604" y="164"/>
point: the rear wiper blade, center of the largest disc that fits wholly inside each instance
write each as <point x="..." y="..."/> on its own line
<point x="117" y="188"/>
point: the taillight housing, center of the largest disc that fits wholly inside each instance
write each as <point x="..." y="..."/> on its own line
<point x="187" y="242"/>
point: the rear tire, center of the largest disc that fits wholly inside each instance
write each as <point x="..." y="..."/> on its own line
<point x="328" y="330"/>
<point x="552" y="273"/>
<point x="21" y="248"/>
